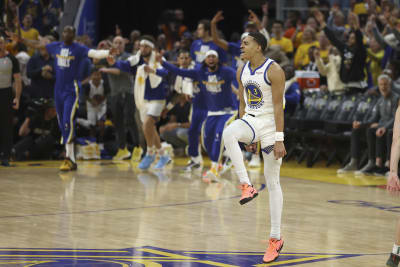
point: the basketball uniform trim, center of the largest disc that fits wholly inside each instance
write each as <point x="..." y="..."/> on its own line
<point x="259" y="67"/>
<point x="254" y="133"/>
<point x="72" y="116"/>
<point x="266" y="74"/>
<point x="268" y="149"/>
<point x="241" y="73"/>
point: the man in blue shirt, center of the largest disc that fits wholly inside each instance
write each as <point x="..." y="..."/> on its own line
<point x="69" y="58"/>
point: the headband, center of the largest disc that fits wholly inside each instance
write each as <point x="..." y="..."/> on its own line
<point x="147" y="42"/>
<point x="211" y="52"/>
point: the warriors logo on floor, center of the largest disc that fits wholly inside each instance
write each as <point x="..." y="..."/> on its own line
<point x="152" y="257"/>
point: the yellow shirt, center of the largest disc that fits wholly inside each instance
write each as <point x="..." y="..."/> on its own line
<point x="324" y="55"/>
<point x="285" y="44"/>
<point x="31" y="34"/>
<point x="375" y="60"/>
<point x="301" y="57"/>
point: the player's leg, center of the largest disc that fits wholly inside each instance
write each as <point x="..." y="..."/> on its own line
<point x="194" y="150"/>
<point x="240" y="131"/>
<point x="71" y="100"/>
<point x="272" y="178"/>
<point x="148" y="130"/>
<point x="210" y="138"/>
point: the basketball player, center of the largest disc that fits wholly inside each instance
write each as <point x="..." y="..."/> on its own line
<point x="393" y="186"/>
<point x="215" y="82"/>
<point x="261" y="92"/>
<point x="151" y="89"/>
<point x="69" y="55"/>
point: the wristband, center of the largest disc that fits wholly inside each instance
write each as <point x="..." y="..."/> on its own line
<point x="279" y="136"/>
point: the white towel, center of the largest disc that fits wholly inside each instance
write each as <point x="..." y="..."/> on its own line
<point x="141" y="76"/>
<point x="184" y="85"/>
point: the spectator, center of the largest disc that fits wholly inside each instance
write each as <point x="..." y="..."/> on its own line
<point x="278" y="38"/>
<point x="374" y="61"/>
<point x="378" y="126"/>
<point x="353" y="54"/>
<point x="40" y="70"/>
<point x="28" y="32"/>
<point x="23" y="58"/>
<point x="172" y="26"/>
<point x="134" y="36"/>
<point x="292" y="91"/>
<point x="312" y="65"/>
<point x="330" y="70"/>
<point x="39" y="132"/>
<point x="336" y="22"/>
<point x="175" y="131"/>
<point x="95" y="91"/>
<point x="122" y="103"/>
<point x="9" y="71"/>
<point x="205" y="43"/>
<point x="301" y="57"/>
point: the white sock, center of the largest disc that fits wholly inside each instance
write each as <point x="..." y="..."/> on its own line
<point x="396" y="249"/>
<point x="198" y="159"/>
<point x="235" y="132"/>
<point x="214" y="165"/>
<point x="70" y="151"/>
<point x="271" y="173"/>
<point x="161" y="152"/>
<point x="150" y="150"/>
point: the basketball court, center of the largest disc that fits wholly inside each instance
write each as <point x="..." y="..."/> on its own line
<point x="112" y="214"/>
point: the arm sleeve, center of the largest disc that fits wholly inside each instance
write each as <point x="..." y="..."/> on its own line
<point x="359" y="39"/>
<point x="98" y="54"/>
<point x="162" y="72"/>
<point x="124" y="66"/>
<point x="185" y="73"/>
<point x="329" y="34"/>
<point x="15" y="64"/>
<point x="378" y="37"/>
<point x="388" y="124"/>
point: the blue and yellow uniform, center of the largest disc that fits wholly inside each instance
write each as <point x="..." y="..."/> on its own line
<point x="69" y="60"/>
<point x="217" y="91"/>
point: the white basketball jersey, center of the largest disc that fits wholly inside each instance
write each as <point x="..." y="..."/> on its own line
<point x="257" y="89"/>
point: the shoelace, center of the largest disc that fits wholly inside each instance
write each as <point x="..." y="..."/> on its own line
<point x="272" y="245"/>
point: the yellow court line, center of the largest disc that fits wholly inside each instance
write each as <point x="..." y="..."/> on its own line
<point x="84" y="256"/>
<point x="63" y="250"/>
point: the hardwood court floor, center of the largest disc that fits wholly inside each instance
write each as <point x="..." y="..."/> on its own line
<point x="111" y="214"/>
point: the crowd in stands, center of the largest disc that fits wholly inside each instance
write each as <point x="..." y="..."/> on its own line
<point x="342" y="81"/>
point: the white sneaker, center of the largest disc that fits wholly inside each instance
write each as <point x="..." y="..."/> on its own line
<point x="255" y="161"/>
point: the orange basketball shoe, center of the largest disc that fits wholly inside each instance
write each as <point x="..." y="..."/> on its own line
<point x="274" y="247"/>
<point x="248" y="193"/>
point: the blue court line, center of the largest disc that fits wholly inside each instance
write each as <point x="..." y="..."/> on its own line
<point x="124" y="209"/>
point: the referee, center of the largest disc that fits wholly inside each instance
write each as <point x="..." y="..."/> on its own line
<point x="9" y="72"/>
